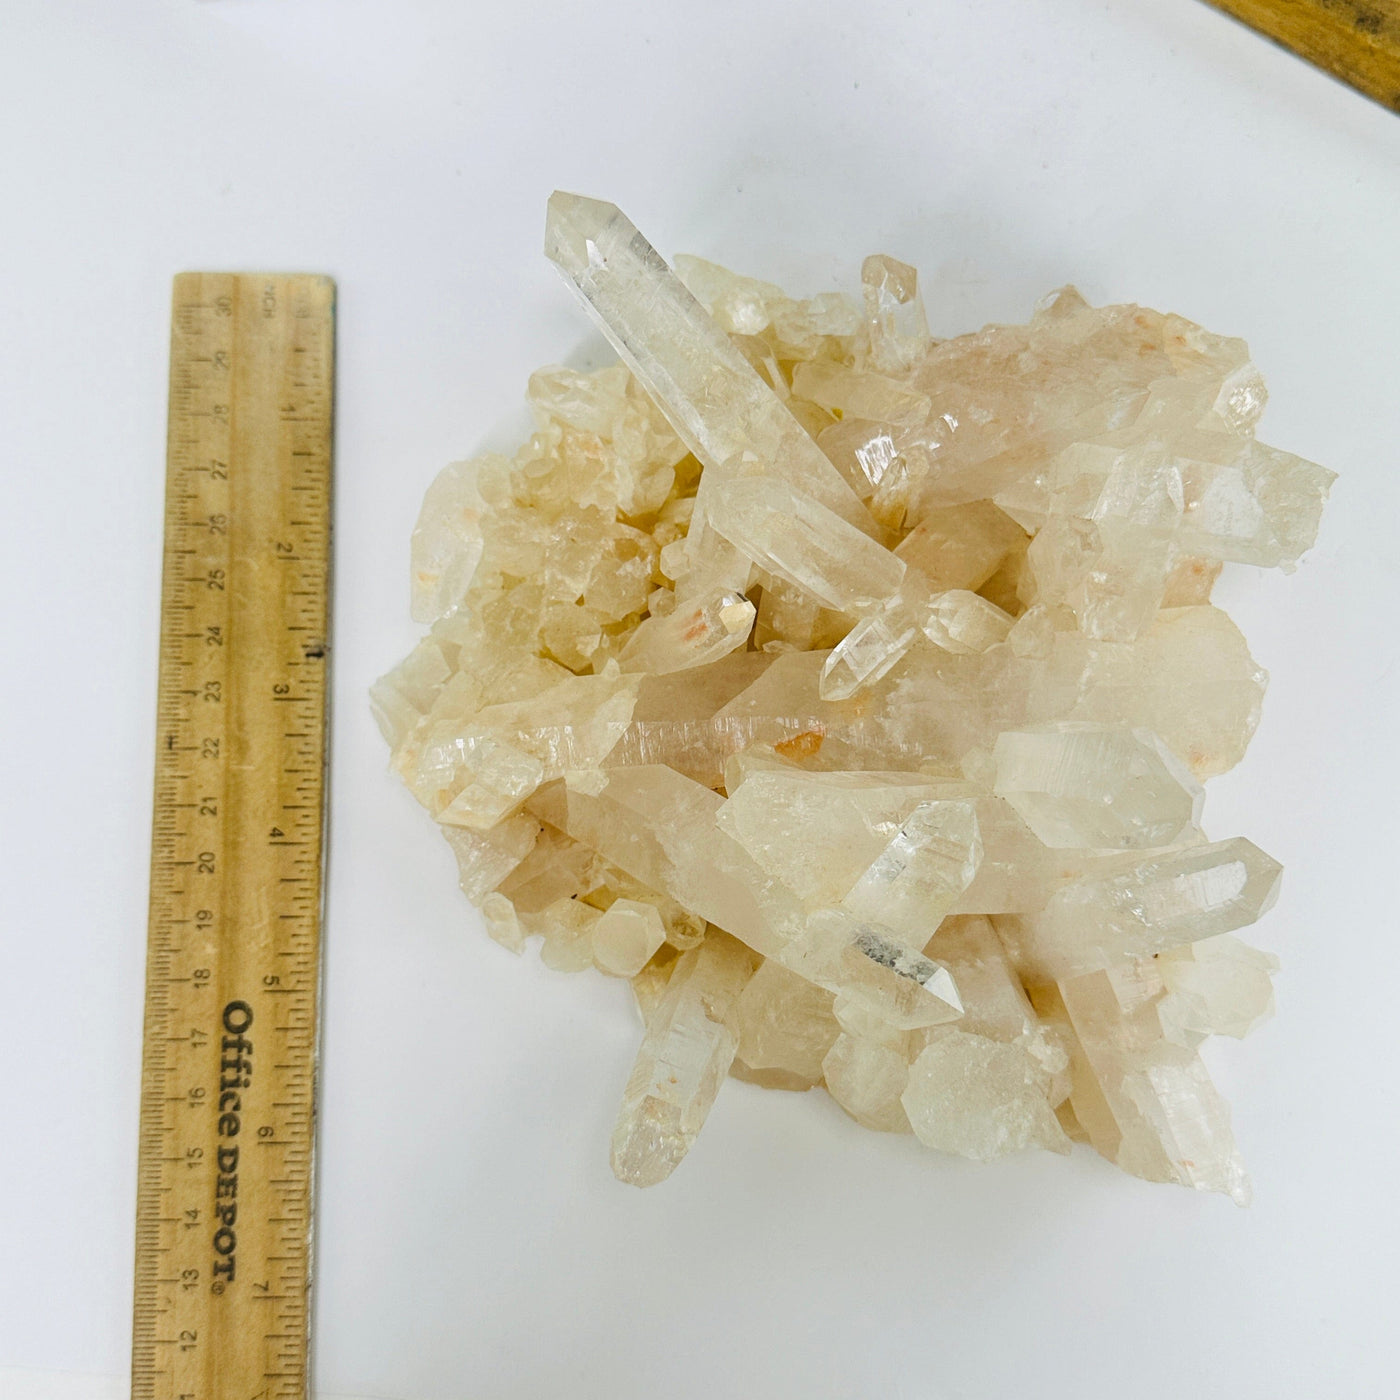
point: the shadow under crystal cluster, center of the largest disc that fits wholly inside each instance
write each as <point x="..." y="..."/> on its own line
<point x="851" y="693"/>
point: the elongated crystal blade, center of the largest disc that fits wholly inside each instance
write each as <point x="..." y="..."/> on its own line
<point x="714" y="398"/>
<point x="689" y="1045"/>
<point x="800" y="540"/>
<point x="1148" y="1105"/>
<point x="1172" y="898"/>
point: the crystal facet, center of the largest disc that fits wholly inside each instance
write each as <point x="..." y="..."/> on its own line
<point x="1096" y="785"/>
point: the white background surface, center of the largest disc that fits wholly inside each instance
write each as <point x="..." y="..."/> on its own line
<point x="472" y="1240"/>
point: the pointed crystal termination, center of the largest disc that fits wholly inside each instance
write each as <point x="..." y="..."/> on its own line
<point x="484" y="859"/>
<point x="868" y="651"/>
<point x="873" y="968"/>
<point x="955" y="621"/>
<point x="714" y="398"/>
<point x="1077" y="784"/>
<point x="918" y="877"/>
<point x="689" y="1045"/>
<point x="691" y="635"/>
<point x="964" y="623"/>
<point x="626" y="937"/>
<point x="1147" y="1104"/>
<point x="896" y="327"/>
<point x="1174" y="898"/>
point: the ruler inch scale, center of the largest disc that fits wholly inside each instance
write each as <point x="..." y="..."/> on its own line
<point x="228" y="1079"/>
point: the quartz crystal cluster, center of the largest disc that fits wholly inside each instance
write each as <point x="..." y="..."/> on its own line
<point x="851" y="692"/>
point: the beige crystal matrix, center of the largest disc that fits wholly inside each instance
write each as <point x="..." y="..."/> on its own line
<point x="851" y="693"/>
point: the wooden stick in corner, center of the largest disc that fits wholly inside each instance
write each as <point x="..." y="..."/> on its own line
<point x="1357" y="41"/>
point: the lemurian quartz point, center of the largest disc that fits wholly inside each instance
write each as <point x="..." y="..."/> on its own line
<point x="851" y="692"/>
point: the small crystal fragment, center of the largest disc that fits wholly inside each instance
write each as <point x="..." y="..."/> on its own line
<point x="961" y="546"/>
<point x="689" y="635"/>
<point x="919" y="875"/>
<point x="786" y="1026"/>
<point x="1217" y="986"/>
<point x="979" y="1098"/>
<point x="447" y="542"/>
<point x="851" y="693"/>
<point x="964" y="623"/>
<point x="492" y="779"/>
<point x="868" y="651"/>
<point x="895" y="325"/>
<point x="485" y="859"/>
<point x="867" y="1068"/>
<point x="626" y="935"/>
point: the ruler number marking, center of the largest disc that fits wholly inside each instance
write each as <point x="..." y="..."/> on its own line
<point x="248" y="356"/>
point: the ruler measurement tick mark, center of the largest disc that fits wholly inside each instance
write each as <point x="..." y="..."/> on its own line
<point x="213" y="1224"/>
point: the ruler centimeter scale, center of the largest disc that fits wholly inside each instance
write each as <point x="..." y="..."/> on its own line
<point x="224" y="1196"/>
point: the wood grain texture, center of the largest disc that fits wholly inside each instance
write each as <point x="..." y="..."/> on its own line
<point x="224" y="1195"/>
<point x="1357" y="41"/>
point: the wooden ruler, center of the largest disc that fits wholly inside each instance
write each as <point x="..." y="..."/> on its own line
<point x="1357" y="41"/>
<point x="228" y="1077"/>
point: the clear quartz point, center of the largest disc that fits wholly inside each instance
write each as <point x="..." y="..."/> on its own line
<point x="690" y="1043"/>
<point x="895" y="325"/>
<point x="868" y="651"/>
<point x="1147" y="1103"/>
<point x="715" y="399"/>
<point x="1079" y="784"/>
<point x="690" y="635"/>
<point x="794" y="536"/>
<point x="1162" y="902"/>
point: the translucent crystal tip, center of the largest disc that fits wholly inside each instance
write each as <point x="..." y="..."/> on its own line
<point x="572" y="226"/>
